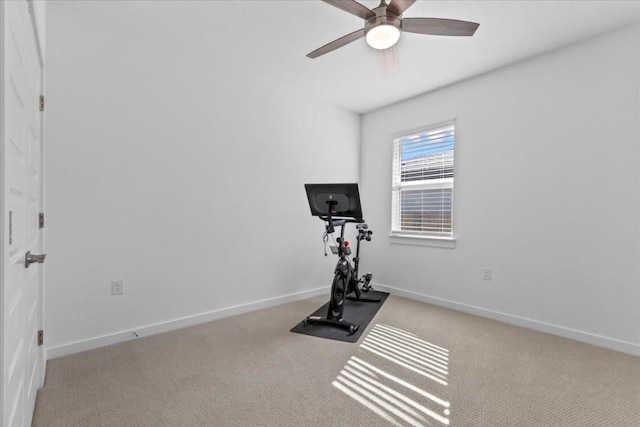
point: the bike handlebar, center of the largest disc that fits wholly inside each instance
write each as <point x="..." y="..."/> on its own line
<point x="342" y="221"/>
<point x="332" y="222"/>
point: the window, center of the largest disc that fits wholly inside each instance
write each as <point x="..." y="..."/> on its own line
<point x="422" y="187"/>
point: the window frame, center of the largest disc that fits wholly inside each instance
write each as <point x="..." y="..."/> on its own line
<point x="422" y="238"/>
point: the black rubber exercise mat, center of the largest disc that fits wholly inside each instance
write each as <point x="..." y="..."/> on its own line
<point x="358" y="312"/>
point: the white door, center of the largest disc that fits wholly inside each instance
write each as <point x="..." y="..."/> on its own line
<point x="21" y="149"/>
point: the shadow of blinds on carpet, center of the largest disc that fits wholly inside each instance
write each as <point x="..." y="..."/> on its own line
<point x="378" y="383"/>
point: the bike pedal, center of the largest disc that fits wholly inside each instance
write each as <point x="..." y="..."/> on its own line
<point x="367" y="278"/>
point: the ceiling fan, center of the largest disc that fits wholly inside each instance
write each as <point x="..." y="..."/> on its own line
<point x="384" y="24"/>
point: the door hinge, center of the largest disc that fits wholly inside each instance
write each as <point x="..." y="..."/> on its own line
<point x="40" y="337"/>
<point x="41" y="220"/>
<point x="41" y="102"/>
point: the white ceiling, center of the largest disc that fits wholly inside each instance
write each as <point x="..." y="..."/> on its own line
<point x="267" y="41"/>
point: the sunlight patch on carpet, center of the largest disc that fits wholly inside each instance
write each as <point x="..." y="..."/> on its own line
<point x="386" y="383"/>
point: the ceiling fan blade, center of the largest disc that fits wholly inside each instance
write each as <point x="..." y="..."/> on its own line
<point x="352" y="7"/>
<point x="397" y="7"/>
<point x="389" y="61"/>
<point x="439" y="26"/>
<point x="337" y="43"/>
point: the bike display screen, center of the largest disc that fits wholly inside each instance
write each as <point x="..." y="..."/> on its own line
<point x="339" y="200"/>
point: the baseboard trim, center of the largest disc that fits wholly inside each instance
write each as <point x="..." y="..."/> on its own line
<point x="157" y="328"/>
<point x="577" y="335"/>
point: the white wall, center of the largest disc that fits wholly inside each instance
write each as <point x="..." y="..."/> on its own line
<point x="180" y="174"/>
<point x="546" y="194"/>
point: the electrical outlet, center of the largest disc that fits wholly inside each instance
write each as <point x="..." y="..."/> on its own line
<point x="486" y="274"/>
<point x="117" y="287"/>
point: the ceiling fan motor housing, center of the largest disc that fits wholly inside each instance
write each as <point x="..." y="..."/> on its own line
<point x="382" y="17"/>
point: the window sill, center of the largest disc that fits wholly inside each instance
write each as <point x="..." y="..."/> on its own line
<point x="417" y="240"/>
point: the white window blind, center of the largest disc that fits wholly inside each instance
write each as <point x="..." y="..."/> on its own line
<point x="422" y="185"/>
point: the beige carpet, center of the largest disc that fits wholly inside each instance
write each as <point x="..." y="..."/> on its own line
<point x="416" y="365"/>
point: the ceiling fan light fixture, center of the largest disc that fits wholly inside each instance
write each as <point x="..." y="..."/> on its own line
<point x="382" y="36"/>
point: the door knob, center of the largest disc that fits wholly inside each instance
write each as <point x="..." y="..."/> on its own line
<point x="30" y="259"/>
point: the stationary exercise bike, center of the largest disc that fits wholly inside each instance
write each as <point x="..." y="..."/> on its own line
<point x="338" y="205"/>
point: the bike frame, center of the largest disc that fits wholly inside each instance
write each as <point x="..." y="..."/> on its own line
<point x="344" y="266"/>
